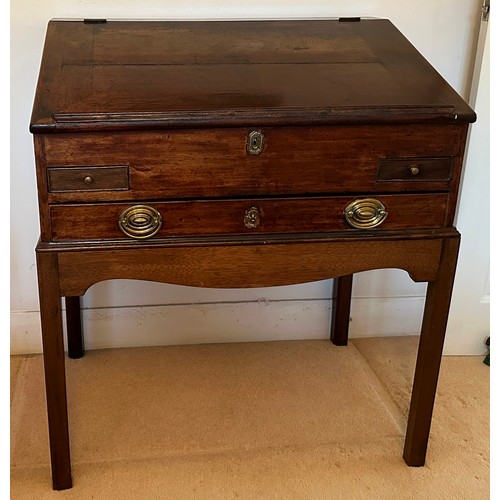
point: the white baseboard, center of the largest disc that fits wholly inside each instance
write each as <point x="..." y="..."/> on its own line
<point x="225" y="322"/>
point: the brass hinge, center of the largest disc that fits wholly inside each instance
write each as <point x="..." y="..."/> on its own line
<point x="349" y="19"/>
<point x="95" y="21"/>
<point x="485" y="10"/>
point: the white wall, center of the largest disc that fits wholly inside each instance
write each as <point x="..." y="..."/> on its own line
<point x="470" y="306"/>
<point x="385" y="303"/>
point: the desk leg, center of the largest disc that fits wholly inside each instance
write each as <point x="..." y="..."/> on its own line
<point x="341" y="308"/>
<point x="430" y="350"/>
<point x="53" y="360"/>
<point x="74" y="327"/>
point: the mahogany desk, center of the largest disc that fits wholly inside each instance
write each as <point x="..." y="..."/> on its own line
<point x="242" y="154"/>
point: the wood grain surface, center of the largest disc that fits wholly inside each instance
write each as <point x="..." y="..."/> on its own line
<point x="249" y="266"/>
<point x="215" y="163"/>
<point x="172" y="74"/>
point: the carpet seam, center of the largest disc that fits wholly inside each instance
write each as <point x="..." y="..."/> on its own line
<point x="383" y="392"/>
<point x="16" y="406"/>
<point x="221" y="453"/>
<point x="16" y="378"/>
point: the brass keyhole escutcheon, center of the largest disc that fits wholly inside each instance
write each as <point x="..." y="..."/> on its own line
<point x="255" y="142"/>
<point x="252" y="218"/>
<point x="365" y="213"/>
<point x="140" y="222"/>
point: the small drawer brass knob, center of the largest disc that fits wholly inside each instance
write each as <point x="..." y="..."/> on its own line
<point x="255" y="142"/>
<point x="365" y="213"/>
<point x="414" y="170"/>
<point x="88" y="180"/>
<point x="252" y="218"/>
<point x="140" y="222"/>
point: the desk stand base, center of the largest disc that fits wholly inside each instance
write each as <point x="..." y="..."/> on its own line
<point x="68" y="272"/>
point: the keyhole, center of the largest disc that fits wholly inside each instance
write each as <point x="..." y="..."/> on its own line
<point x="255" y="142"/>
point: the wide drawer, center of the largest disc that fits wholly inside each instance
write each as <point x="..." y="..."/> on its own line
<point x="289" y="161"/>
<point x="233" y="217"/>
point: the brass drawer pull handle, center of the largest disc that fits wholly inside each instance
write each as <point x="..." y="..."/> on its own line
<point x="414" y="170"/>
<point x="88" y="180"/>
<point x="255" y="142"/>
<point x="365" y="213"/>
<point x="252" y="218"/>
<point x="140" y="222"/>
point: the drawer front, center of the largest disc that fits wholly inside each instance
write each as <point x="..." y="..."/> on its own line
<point x="77" y="179"/>
<point x="415" y="169"/>
<point x="234" y="217"/>
<point x="282" y="161"/>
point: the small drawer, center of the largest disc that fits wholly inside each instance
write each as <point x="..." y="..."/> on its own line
<point x="109" y="221"/>
<point x="415" y="169"/>
<point x="68" y="179"/>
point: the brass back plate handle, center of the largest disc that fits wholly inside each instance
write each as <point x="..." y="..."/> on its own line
<point x="140" y="222"/>
<point x="365" y="213"/>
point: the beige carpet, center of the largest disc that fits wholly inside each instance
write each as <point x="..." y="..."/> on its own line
<point x="277" y="420"/>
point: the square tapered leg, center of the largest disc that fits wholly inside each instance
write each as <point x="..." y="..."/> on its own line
<point x="429" y="355"/>
<point x="74" y="328"/>
<point x="53" y="360"/>
<point x="341" y="308"/>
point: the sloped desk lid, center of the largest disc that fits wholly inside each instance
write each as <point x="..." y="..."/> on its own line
<point x="154" y="74"/>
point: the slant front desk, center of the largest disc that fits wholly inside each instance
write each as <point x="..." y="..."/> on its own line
<point x="242" y="154"/>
